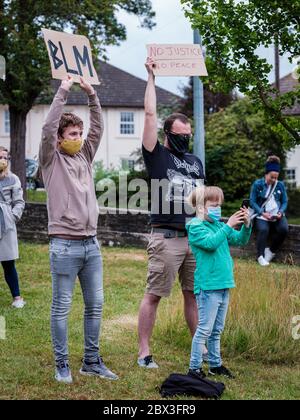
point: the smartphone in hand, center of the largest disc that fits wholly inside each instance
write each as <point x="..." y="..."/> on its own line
<point x="246" y="203"/>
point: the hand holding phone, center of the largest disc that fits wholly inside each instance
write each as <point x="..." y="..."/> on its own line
<point x="246" y="203"/>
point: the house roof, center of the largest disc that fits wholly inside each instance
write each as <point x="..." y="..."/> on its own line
<point x="117" y="89"/>
<point x="288" y="84"/>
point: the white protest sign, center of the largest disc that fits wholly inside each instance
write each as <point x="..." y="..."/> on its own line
<point x="70" y="55"/>
<point x="177" y="59"/>
<point x="2" y="67"/>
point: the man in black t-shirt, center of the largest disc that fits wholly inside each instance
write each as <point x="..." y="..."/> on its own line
<point x="174" y="173"/>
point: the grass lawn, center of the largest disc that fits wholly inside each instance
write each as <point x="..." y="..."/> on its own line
<point x="262" y="373"/>
<point x="294" y="221"/>
<point x="34" y="196"/>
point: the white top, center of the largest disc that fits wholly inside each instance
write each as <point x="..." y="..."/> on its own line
<point x="271" y="206"/>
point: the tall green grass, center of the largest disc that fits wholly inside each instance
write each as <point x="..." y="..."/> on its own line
<point x="259" y="321"/>
<point x="258" y="328"/>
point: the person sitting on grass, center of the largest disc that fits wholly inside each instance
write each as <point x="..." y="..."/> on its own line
<point x="210" y="240"/>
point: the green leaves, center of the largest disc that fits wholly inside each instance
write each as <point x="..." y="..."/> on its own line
<point x="22" y="44"/>
<point x="237" y="142"/>
<point x="232" y="32"/>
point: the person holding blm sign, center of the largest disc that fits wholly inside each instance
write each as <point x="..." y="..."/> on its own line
<point x="174" y="172"/>
<point x="66" y="162"/>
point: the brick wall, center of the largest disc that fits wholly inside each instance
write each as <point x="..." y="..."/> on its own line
<point x="133" y="230"/>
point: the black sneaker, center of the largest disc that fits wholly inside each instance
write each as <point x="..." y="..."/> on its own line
<point x="221" y="370"/>
<point x="147" y="362"/>
<point x="197" y="373"/>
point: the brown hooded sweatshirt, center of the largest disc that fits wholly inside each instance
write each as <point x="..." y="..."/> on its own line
<point x="71" y="203"/>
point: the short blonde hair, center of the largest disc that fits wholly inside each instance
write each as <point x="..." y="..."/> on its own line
<point x="200" y="195"/>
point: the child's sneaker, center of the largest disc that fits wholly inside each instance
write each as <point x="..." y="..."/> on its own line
<point x="63" y="372"/>
<point x="147" y="362"/>
<point x="198" y="373"/>
<point x="18" y="303"/>
<point x="221" y="370"/>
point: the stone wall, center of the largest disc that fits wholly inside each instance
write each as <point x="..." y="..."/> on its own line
<point x="133" y="229"/>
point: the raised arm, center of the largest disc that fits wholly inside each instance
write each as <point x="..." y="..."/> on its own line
<point x="96" y="122"/>
<point x="150" y="125"/>
<point x="50" y="128"/>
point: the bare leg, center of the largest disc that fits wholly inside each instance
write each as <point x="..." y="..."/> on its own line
<point x="190" y="311"/>
<point x="147" y="315"/>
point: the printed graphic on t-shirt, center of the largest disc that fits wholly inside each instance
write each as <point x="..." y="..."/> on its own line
<point x="182" y="164"/>
<point x="180" y="186"/>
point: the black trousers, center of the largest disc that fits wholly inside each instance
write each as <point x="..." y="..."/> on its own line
<point x="263" y="228"/>
<point x="11" y="277"/>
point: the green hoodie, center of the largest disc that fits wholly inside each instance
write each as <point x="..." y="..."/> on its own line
<point x="210" y="243"/>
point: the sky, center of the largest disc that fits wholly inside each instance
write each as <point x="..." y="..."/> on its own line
<point x="172" y="27"/>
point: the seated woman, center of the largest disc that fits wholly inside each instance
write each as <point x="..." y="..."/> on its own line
<point x="269" y="201"/>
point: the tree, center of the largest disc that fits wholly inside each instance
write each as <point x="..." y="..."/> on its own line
<point x="232" y="32"/>
<point x="213" y="101"/>
<point x="238" y="141"/>
<point x="23" y="47"/>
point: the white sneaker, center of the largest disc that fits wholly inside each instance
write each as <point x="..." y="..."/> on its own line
<point x="63" y="372"/>
<point x="19" y="303"/>
<point x="262" y="261"/>
<point x="269" y="255"/>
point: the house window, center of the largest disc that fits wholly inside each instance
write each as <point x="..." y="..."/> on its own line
<point x="127" y="164"/>
<point x="6" y="122"/>
<point x="290" y="175"/>
<point x="127" y="123"/>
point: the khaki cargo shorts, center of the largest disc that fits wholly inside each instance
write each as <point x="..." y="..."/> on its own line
<point x="167" y="258"/>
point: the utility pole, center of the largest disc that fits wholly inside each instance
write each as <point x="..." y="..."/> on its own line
<point x="199" y="135"/>
<point x="277" y="65"/>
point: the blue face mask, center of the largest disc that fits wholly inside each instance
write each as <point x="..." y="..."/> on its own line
<point x="214" y="213"/>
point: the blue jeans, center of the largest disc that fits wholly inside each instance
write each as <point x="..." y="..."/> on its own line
<point x="212" y="310"/>
<point x="69" y="259"/>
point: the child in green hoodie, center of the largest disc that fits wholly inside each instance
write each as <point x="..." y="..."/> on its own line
<point x="210" y="240"/>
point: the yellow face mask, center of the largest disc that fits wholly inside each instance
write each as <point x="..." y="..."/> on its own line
<point x="71" y="147"/>
<point x="3" y="164"/>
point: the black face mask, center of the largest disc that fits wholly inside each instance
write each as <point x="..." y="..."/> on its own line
<point x="179" y="143"/>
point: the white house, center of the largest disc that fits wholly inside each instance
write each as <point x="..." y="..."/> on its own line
<point x="122" y="98"/>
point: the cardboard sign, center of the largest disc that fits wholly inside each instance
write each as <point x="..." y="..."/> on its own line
<point x="70" y="55"/>
<point x="177" y="59"/>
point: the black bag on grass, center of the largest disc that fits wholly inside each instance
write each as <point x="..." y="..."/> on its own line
<point x="177" y="384"/>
